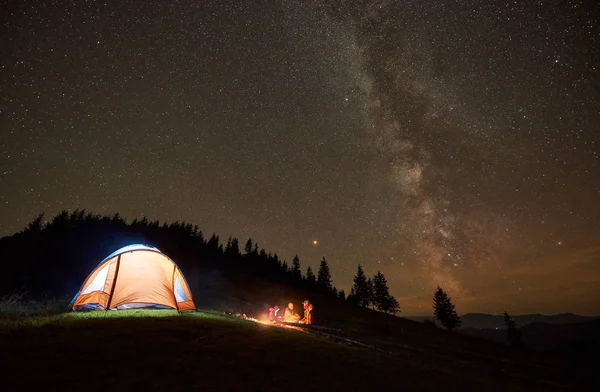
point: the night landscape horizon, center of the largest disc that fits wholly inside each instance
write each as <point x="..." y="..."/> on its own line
<point x="443" y="143"/>
<point x="300" y="195"/>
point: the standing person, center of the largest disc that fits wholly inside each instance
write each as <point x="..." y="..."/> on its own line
<point x="307" y="310"/>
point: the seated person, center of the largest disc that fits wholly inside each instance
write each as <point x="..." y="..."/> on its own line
<point x="273" y="313"/>
<point x="289" y="315"/>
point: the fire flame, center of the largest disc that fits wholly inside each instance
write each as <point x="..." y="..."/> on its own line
<point x="265" y="321"/>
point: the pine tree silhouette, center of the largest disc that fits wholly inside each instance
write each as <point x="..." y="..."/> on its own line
<point x="36" y="225"/>
<point x="310" y="277"/>
<point x="360" y="290"/>
<point x="444" y="310"/>
<point x="352" y="297"/>
<point x="263" y="254"/>
<point x="213" y="242"/>
<point x="324" y="283"/>
<point x="393" y="306"/>
<point x="232" y="250"/>
<point x="513" y="334"/>
<point x="296" y="271"/>
<point x="382" y="299"/>
<point x="370" y="293"/>
<point x="248" y="247"/>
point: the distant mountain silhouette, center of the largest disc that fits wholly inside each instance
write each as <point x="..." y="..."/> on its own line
<point x="491" y="321"/>
<point x="577" y="339"/>
<point x="571" y="337"/>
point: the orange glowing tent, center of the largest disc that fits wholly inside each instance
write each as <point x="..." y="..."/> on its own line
<point x="136" y="276"/>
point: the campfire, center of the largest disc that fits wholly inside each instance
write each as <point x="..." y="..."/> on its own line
<point x="265" y="321"/>
<point x="290" y="318"/>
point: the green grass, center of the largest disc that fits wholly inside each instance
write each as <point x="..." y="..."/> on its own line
<point x="17" y="306"/>
<point x="162" y="350"/>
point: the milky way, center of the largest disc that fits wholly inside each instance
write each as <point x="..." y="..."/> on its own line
<point x="437" y="146"/>
<point x="444" y="143"/>
<point x="420" y="65"/>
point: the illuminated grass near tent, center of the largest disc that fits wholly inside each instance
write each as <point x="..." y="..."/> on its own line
<point x="73" y="317"/>
<point x="153" y="347"/>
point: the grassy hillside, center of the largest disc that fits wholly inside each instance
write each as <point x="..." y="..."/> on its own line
<point x="243" y="293"/>
<point x="431" y="356"/>
<point x="159" y="350"/>
<point x="129" y="350"/>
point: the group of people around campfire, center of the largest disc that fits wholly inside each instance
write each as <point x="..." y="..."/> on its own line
<point x="290" y="316"/>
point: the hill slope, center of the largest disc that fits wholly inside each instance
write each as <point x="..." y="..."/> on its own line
<point x="495" y="321"/>
<point x="581" y="338"/>
<point x="221" y="352"/>
<point x="117" y="352"/>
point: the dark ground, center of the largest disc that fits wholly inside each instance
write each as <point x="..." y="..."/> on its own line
<point x="116" y="352"/>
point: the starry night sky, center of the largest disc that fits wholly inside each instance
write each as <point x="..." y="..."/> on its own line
<point x="452" y="143"/>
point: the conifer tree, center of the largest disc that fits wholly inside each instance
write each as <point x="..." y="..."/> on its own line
<point x="393" y="306"/>
<point x="296" y="271"/>
<point x="342" y="295"/>
<point x="324" y="277"/>
<point x="352" y="297"/>
<point x="213" y="244"/>
<point x="310" y="277"/>
<point x="444" y="311"/>
<point x="249" y="256"/>
<point x="513" y="334"/>
<point x="382" y="299"/>
<point x="274" y="264"/>
<point x="360" y="290"/>
<point x="370" y="293"/>
<point x="116" y="218"/>
<point x="36" y="225"/>
<point x="248" y="247"/>
<point x="232" y="250"/>
<point x="60" y="220"/>
<point x="263" y="255"/>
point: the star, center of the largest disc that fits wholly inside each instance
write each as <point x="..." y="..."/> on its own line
<point x="418" y="147"/>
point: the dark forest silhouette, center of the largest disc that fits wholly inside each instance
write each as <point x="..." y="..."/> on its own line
<point x="53" y="257"/>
